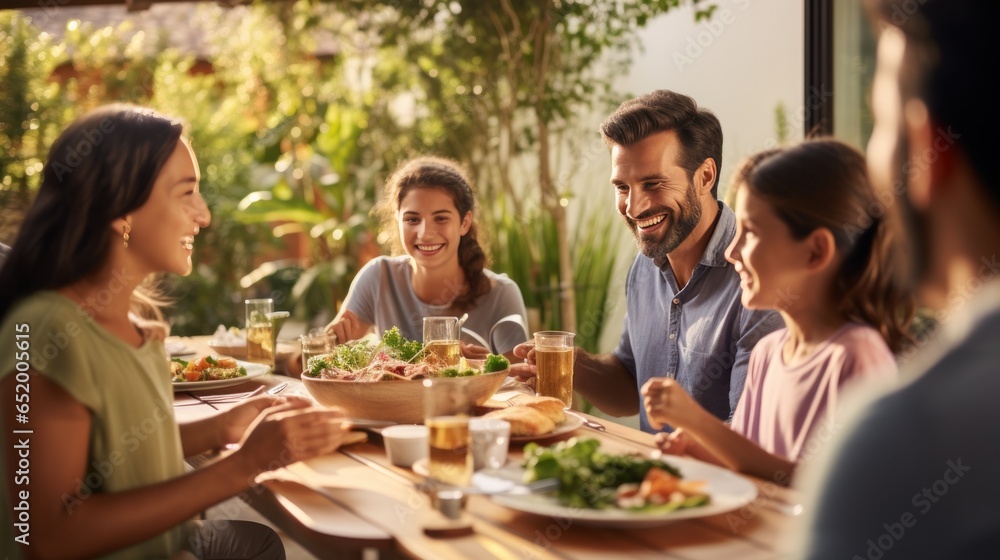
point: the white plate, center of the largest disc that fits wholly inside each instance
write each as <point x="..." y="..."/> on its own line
<point x="253" y="370"/>
<point x="727" y="490"/>
<point x="571" y="423"/>
<point x="176" y="347"/>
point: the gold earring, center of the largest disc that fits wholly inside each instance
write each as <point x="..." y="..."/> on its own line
<point x="125" y="232"/>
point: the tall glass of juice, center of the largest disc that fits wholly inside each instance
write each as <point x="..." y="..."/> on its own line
<point x="447" y="408"/>
<point x="554" y="353"/>
<point x="260" y="339"/>
<point x="441" y="336"/>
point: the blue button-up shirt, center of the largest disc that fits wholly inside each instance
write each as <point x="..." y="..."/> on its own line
<point x="700" y="335"/>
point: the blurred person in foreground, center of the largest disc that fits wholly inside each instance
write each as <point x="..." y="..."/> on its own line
<point x="83" y="338"/>
<point x="684" y="319"/>
<point x="915" y="475"/>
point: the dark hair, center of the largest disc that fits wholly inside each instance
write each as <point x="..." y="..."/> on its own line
<point x="101" y="167"/>
<point x="697" y="128"/>
<point x="946" y="44"/>
<point x="823" y="183"/>
<point x="447" y="175"/>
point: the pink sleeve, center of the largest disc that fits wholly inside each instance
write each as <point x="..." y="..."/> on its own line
<point x="868" y="357"/>
<point x="746" y="409"/>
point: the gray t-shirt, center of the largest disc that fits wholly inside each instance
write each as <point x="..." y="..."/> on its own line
<point x="917" y="474"/>
<point x="700" y="335"/>
<point x="382" y="294"/>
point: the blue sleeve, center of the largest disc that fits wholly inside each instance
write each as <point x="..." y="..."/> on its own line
<point x="623" y="352"/>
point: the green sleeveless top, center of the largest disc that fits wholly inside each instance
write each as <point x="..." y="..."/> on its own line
<point x="134" y="439"/>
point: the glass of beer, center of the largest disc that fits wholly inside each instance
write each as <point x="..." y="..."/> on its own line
<point x="447" y="408"/>
<point x="260" y="339"/>
<point x="316" y="343"/>
<point x="441" y="336"/>
<point x="554" y="355"/>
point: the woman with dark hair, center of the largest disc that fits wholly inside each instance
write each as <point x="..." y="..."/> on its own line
<point x="88" y="377"/>
<point x="430" y="205"/>
<point x="811" y="244"/>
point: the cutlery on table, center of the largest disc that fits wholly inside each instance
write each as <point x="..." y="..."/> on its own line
<point x="277" y="389"/>
<point x="431" y="486"/>
<point x="593" y="425"/>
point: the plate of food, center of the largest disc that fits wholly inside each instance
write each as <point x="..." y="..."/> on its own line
<point x="625" y="491"/>
<point x="210" y="372"/>
<point x="536" y="418"/>
<point x="381" y="381"/>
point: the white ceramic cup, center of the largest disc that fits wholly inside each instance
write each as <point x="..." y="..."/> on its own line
<point x="405" y="444"/>
<point x="490" y="441"/>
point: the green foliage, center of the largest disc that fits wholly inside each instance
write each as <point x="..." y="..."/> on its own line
<point x="397" y="346"/>
<point x="595" y="259"/>
<point x="292" y="143"/>
<point x="351" y="356"/>
<point x="781" y="126"/>
<point x="495" y="363"/>
<point x="588" y="477"/>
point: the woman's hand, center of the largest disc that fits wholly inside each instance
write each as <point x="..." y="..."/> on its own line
<point x="347" y="327"/>
<point x="288" y="433"/>
<point x="474" y="351"/>
<point x="666" y="402"/>
<point x="236" y="420"/>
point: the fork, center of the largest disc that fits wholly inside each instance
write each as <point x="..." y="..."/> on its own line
<point x="277" y="389"/>
<point x="510" y="402"/>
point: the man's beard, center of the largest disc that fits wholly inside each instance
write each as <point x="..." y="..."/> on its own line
<point x="682" y="223"/>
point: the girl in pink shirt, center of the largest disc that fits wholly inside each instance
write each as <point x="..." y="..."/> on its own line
<point x="809" y="243"/>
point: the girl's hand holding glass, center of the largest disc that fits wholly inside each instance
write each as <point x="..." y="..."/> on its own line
<point x="666" y="402"/>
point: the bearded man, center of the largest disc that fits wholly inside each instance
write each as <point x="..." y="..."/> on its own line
<point x="684" y="318"/>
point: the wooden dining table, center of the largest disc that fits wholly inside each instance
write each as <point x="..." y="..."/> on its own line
<point x="339" y="505"/>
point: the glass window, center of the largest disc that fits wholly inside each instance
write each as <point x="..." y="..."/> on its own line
<point x="853" y="69"/>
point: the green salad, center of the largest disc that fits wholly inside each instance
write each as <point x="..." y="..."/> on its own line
<point x="590" y="478"/>
<point x="403" y="358"/>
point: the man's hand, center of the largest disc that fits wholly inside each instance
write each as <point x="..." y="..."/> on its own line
<point x="524" y="370"/>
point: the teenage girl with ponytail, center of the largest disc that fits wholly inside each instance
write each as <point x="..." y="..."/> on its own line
<point x="807" y="244"/>
<point x="430" y="204"/>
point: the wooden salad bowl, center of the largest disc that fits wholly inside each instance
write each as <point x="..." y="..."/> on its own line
<point x="396" y="400"/>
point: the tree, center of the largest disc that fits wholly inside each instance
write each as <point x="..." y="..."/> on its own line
<point x="507" y="79"/>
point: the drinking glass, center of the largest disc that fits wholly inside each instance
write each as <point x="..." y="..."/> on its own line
<point x="441" y="336"/>
<point x="447" y="408"/>
<point x="316" y="343"/>
<point x="260" y="338"/>
<point x="554" y="355"/>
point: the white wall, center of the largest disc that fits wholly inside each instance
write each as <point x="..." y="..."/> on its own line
<point x="741" y="64"/>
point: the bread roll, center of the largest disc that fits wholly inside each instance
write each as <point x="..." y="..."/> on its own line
<point x="551" y="407"/>
<point x="524" y="421"/>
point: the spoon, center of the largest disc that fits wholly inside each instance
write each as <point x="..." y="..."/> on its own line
<point x="462" y="320"/>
